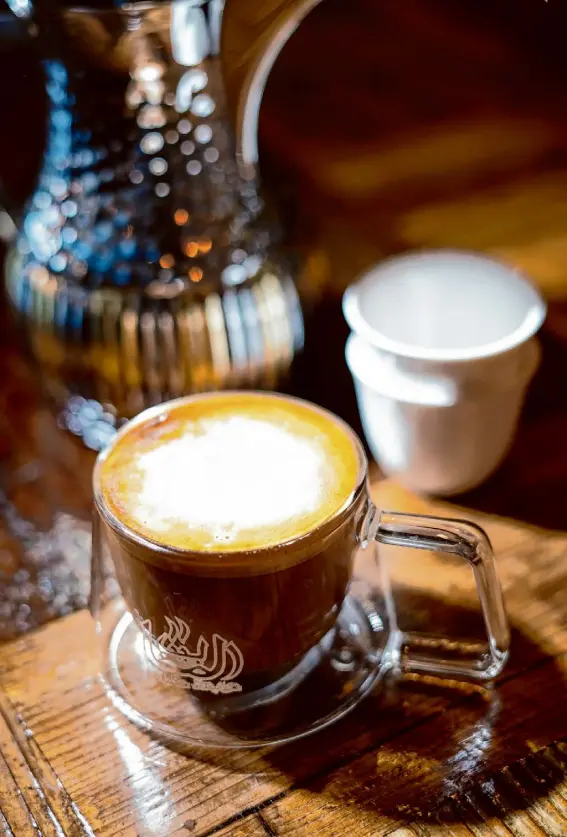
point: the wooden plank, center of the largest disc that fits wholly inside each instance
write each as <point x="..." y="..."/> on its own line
<point x="15" y="816"/>
<point x="34" y="784"/>
<point x="502" y="802"/>
<point x="250" y="826"/>
<point x="119" y="778"/>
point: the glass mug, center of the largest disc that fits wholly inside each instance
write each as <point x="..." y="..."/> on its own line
<point x="265" y="645"/>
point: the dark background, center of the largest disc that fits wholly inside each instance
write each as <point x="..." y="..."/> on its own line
<point x="388" y="126"/>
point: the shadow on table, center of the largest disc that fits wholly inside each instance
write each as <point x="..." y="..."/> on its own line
<point x="439" y="751"/>
<point x="421" y="750"/>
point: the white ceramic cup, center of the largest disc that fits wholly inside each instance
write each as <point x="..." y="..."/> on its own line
<point x="442" y="350"/>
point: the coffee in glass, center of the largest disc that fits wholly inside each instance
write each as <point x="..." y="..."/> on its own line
<point x="232" y="521"/>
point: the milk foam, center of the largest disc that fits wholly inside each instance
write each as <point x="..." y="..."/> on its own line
<point x="229" y="474"/>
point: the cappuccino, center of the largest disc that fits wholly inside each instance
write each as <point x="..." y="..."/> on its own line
<point x="232" y="518"/>
<point x="231" y="472"/>
<point x="234" y="522"/>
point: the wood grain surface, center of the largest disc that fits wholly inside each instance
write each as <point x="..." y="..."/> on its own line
<point x="464" y="145"/>
<point x="418" y="759"/>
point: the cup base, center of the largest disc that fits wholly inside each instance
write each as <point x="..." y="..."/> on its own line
<point x="329" y="682"/>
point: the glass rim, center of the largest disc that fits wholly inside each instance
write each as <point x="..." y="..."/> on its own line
<point x="325" y="528"/>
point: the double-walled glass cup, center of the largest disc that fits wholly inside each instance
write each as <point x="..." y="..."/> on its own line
<point x="246" y="648"/>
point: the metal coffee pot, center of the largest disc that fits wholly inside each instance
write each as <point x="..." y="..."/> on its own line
<point x="146" y="265"/>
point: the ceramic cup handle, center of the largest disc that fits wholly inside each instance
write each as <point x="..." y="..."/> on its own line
<point x="447" y="657"/>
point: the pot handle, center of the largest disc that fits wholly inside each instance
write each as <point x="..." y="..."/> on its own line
<point x="253" y="34"/>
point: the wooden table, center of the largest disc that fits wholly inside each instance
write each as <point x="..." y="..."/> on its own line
<point x="425" y="761"/>
<point x="421" y="759"/>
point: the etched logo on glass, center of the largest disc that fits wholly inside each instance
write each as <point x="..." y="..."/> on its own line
<point x="209" y="667"/>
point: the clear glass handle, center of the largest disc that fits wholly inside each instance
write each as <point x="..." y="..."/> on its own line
<point x="447" y="657"/>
